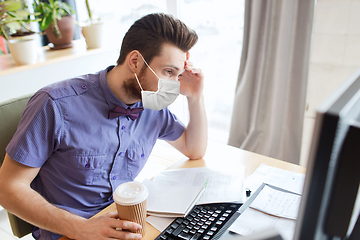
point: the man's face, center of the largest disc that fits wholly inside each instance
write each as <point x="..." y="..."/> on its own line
<point x="168" y="65"/>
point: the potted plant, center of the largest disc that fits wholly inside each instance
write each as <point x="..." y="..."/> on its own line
<point x="93" y="32"/>
<point x="14" y="27"/>
<point x="57" y="22"/>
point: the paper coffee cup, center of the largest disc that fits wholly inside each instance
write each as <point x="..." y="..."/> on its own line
<point x="130" y="199"/>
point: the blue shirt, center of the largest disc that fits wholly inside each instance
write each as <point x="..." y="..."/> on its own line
<point x="83" y="155"/>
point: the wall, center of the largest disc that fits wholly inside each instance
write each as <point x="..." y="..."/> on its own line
<point x="335" y="56"/>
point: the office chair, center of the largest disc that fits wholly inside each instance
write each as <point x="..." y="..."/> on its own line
<point x="10" y="115"/>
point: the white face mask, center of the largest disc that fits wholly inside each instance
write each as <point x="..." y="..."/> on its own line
<point x="167" y="92"/>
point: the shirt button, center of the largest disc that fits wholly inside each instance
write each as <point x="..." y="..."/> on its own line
<point x="123" y="127"/>
<point x="114" y="177"/>
<point x="120" y="154"/>
<point x="83" y="86"/>
<point x="87" y="165"/>
<point x="142" y="155"/>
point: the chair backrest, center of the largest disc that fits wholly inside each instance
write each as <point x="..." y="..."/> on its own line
<point x="10" y="115"/>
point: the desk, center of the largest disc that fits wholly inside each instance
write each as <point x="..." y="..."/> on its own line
<point x="219" y="157"/>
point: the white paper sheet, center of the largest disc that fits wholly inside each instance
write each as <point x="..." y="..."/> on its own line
<point x="284" y="179"/>
<point x="159" y="223"/>
<point x="251" y="221"/>
<point x="219" y="186"/>
<point x="277" y="203"/>
<point x="171" y="200"/>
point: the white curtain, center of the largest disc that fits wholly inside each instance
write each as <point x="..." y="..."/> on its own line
<point x="270" y="94"/>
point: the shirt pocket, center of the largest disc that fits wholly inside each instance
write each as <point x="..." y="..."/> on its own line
<point x="88" y="167"/>
<point x="137" y="157"/>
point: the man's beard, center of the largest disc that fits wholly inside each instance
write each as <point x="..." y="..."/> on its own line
<point x="132" y="88"/>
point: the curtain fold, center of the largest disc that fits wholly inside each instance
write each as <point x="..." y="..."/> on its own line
<point x="270" y="95"/>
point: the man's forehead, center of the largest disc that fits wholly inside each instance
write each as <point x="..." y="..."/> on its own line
<point x="172" y="56"/>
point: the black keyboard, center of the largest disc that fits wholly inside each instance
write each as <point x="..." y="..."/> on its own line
<point x="205" y="221"/>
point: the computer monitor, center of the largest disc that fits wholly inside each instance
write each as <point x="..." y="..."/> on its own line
<point x="329" y="207"/>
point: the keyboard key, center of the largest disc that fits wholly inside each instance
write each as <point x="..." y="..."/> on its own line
<point x="196" y="236"/>
<point x="185" y="236"/>
<point x="174" y="225"/>
<point x="179" y="220"/>
<point x="178" y="230"/>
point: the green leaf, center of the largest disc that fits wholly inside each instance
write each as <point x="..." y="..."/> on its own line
<point x="22" y="14"/>
<point x="3" y="33"/>
<point x="13" y="26"/>
<point x="11" y="6"/>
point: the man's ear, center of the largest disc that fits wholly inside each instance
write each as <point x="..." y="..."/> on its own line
<point x="134" y="61"/>
<point x="187" y="55"/>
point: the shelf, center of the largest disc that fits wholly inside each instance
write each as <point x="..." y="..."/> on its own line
<point x="52" y="66"/>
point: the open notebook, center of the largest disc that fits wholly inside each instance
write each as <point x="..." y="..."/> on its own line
<point x="167" y="200"/>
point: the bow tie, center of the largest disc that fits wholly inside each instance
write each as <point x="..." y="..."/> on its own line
<point x="120" y="111"/>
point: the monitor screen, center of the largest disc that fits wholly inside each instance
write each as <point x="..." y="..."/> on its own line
<point x="328" y="204"/>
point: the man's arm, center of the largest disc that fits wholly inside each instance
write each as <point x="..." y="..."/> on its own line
<point x="193" y="142"/>
<point x="17" y="197"/>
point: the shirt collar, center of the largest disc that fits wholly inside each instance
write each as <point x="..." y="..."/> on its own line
<point x="110" y="97"/>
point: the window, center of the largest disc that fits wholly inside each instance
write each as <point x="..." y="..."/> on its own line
<point x="219" y="24"/>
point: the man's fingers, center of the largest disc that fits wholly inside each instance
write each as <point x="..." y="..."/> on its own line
<point x="112" y="215"/>
<point x="133" y="227"/>
<point x="126" y="235"/>
<point x="189" y="65"/>
<point x="123" y="224"/>
<point x="123" y="229"/>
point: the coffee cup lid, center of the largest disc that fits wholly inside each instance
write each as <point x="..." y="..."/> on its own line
<point x="130" y="193"/>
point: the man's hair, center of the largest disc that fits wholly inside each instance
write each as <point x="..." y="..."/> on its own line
<point x="149" y="33"/>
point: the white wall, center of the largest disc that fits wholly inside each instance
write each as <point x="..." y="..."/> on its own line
<point x="335" y="56"/>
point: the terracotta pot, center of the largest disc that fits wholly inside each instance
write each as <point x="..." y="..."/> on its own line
<point x="67" y="27"/>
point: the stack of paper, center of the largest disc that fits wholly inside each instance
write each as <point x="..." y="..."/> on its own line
<point x="272" y="207"/>
<point x="167" y="200"/>
<point x="219" y="186"/>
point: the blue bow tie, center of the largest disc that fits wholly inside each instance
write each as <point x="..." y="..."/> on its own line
<point x="133" y="113"/>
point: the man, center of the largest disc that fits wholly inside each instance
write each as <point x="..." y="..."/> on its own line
<point x="81" y="138"/>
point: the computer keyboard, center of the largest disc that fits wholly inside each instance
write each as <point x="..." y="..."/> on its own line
<point x="205" y="221"/>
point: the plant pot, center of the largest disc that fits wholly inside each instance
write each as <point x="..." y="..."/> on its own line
<point x="24" y="50"/>
<point x="67" y="27"/>
<point x="93" y="35"/>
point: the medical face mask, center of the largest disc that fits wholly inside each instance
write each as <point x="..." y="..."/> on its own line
<point x="167" y="92"/>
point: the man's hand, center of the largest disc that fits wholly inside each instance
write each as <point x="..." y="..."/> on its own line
<point x="191" y="81"/>
<point x="107" y="226"/>
<point x="193" y="142"/>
